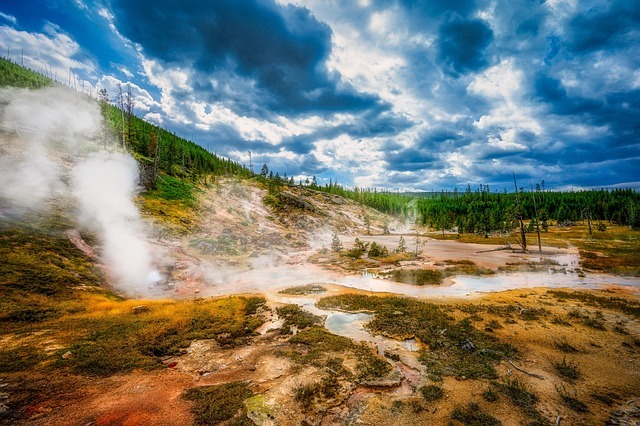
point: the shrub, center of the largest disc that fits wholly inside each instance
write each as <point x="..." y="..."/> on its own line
<point x="567" y="369"/>
<point x="432" y="392"/>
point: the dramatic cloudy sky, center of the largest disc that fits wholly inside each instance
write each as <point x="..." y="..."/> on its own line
<point x="406" y="94"/>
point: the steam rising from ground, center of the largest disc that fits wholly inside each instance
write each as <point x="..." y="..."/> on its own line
<point x="105" y="185"/>
<point x="49" y="122"/>
<point x="46" y="155"/>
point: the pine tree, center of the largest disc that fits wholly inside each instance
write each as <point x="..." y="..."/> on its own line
<point x="336" y="245"/>
<point x="402" y="246"/>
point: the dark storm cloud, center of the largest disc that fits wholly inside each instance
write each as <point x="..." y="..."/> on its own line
<point x="411" y="159"/>
<point x="283" y="49"/>
<point x="618" y="111"/>
<point x="606" y="26"/>
<point x="437" y="8"/>
<point x="462" y="44"/>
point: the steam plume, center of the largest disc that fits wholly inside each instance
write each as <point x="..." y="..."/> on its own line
<point x="105" y="184"/>
<point x="46" y="154"/>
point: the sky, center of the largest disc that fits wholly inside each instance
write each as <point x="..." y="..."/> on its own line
<point x="403" y="95"/>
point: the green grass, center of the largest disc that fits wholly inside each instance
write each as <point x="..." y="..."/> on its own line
<point x="294" y="315"/>
<point x="490" y="395"/>
<point x="173" y="203"/>
<point x="472" y="415"/>
<point x="304" y="290"/>
<point x="39" y="276"/>
<point x="463" y="268"/>
<point x="316" y="346"/>
<point x="305" y="395"/>
<point x="216" y="404"/>
<point x="403" y="318"/>
<point x="174" y="189"/>
<point x="22" y="358"/>
<point x="418" y="277"/>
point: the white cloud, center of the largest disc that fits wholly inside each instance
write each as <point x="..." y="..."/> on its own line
<point x="143" y="101"/>
<point x="502" y="85"/>
<point x="9" y="18"/>
<point x="51" y="52"/>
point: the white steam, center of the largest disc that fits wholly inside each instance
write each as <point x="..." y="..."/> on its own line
<point x="105" y="185"/>
<point x="41" y="125"/>
<point x="48" y="154"/>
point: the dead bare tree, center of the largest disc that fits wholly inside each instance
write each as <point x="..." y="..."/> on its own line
<point x="129" y="103"/>
<point x="523" y="238"/>
<point x="535" y="209"/>
<point x="120" y="104"/>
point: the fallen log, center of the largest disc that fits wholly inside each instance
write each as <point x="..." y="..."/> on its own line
<point x="537" y="376"/>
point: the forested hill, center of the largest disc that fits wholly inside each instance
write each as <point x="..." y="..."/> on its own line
<point x="485" y="211"/>
<point x="158" y="150"/>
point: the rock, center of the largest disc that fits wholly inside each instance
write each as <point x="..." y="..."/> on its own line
<point x="140" y="309"/>
<point x="468" y="346"/>
<point x="290" y="199"/>
<point x="67" y="355"/>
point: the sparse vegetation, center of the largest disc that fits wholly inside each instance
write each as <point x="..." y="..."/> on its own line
<point x="432" y="392"/>
<point x="565" y="346"/>
<point x="571" y="400"/>
<point x="294" y="315"/>
<point x="626" y="306"/>
<point x="567" y="369"/>
<point x="472" y="415"/>
<point x="304" y="290"/>
<point x="520" y="396"/>
<point x="322" y="346"/>
<point x="216" y="404"/>
<point x="456" y="348"/>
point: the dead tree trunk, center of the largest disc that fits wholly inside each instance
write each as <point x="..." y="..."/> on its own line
<point x="523" y="238"/>
<point x="535" y="209"/>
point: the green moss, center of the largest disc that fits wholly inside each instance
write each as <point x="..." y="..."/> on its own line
<point x="257" y="404"/>
<point x="456" y="348"/>
<point x="304" y="290"/>
<point x="294" y="315"/>
<point x="123" y="342"/>
<point x="215" y="404"/>
<point x="21" y="358"/>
